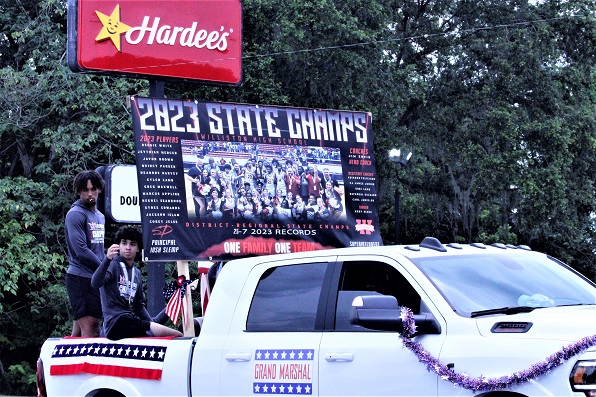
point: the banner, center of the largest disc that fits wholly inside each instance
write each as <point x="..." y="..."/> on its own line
<point x="225" y="180"/>
<point x="143" y="360"/>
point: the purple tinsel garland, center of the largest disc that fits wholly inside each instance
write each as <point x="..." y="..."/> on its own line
<point x="481" y="383"/>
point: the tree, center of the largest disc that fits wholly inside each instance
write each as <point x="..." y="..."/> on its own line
<point x="53" y="124"/>
<point x="495" y="98"/>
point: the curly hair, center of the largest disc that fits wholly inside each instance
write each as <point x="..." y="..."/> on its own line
<point x="80" y="181"/>
<point x="129" y="233"/>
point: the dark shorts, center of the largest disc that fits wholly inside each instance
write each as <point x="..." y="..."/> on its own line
<point x="128" y="326"/>
<point x="84" y="299"/>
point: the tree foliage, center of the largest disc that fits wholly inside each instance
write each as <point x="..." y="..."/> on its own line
<point x="496" y="99"/>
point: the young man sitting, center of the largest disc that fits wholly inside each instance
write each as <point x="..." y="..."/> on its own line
<point x="121" y="289"/>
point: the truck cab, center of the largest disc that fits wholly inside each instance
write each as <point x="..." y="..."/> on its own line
<point x="482" y="312"/>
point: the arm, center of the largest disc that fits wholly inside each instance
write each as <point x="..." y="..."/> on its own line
<point x="209" y="209"/>
<point x="77" y="238"/>
<point x="100" y="276"/>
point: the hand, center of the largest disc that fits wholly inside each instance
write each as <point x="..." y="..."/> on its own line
<point x="112" y="251"/>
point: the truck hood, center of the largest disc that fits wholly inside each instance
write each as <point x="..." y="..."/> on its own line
<point x="564" y="323"/>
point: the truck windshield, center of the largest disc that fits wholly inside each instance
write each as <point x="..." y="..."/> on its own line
<point x="481" y="283"/>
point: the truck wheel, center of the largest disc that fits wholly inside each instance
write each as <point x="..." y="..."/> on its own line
<point x="107" y="393"/>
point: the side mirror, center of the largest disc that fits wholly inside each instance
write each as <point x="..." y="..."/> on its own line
<point x="381" y="312"/>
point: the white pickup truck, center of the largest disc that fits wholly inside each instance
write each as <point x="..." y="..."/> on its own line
<point x="490" y="321"/>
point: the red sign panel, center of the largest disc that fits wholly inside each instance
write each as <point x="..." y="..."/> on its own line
<point x="186" y="39"/>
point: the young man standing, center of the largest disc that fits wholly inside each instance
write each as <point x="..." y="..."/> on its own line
<point x="84" y="230"/>
<point x="121" y="289"/>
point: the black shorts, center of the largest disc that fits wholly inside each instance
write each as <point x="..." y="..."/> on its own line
<point x="128" y="326"/>
<point x="84" y="299"/>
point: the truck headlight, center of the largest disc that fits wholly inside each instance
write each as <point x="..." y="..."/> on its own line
<point x="583" y="377"/>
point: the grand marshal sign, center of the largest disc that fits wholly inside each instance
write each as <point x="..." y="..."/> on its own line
<point x="171" y="39"/>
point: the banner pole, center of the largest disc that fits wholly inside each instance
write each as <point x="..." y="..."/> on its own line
<point x="188" y="321"/>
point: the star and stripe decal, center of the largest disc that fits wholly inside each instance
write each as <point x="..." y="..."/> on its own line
<point x="283" y="388"/>
<point x="141" y="358"/>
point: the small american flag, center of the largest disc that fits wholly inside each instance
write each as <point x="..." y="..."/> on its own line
<point x="176" y="306"/>
<point x="143" y="358"/>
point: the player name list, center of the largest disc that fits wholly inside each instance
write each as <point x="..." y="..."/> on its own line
<point x="162" y="194"/>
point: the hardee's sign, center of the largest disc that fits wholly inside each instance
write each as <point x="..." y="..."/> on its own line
<point x="187" y="39"/>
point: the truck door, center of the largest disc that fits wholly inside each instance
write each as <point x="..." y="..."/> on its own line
<point x="273" y="344"/>
<point x="355" y="361"/>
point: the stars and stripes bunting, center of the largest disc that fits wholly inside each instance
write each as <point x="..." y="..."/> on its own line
<point x="285" y="354"/>
<point x="283" y="388"/>
<point x="141" y="358"/>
